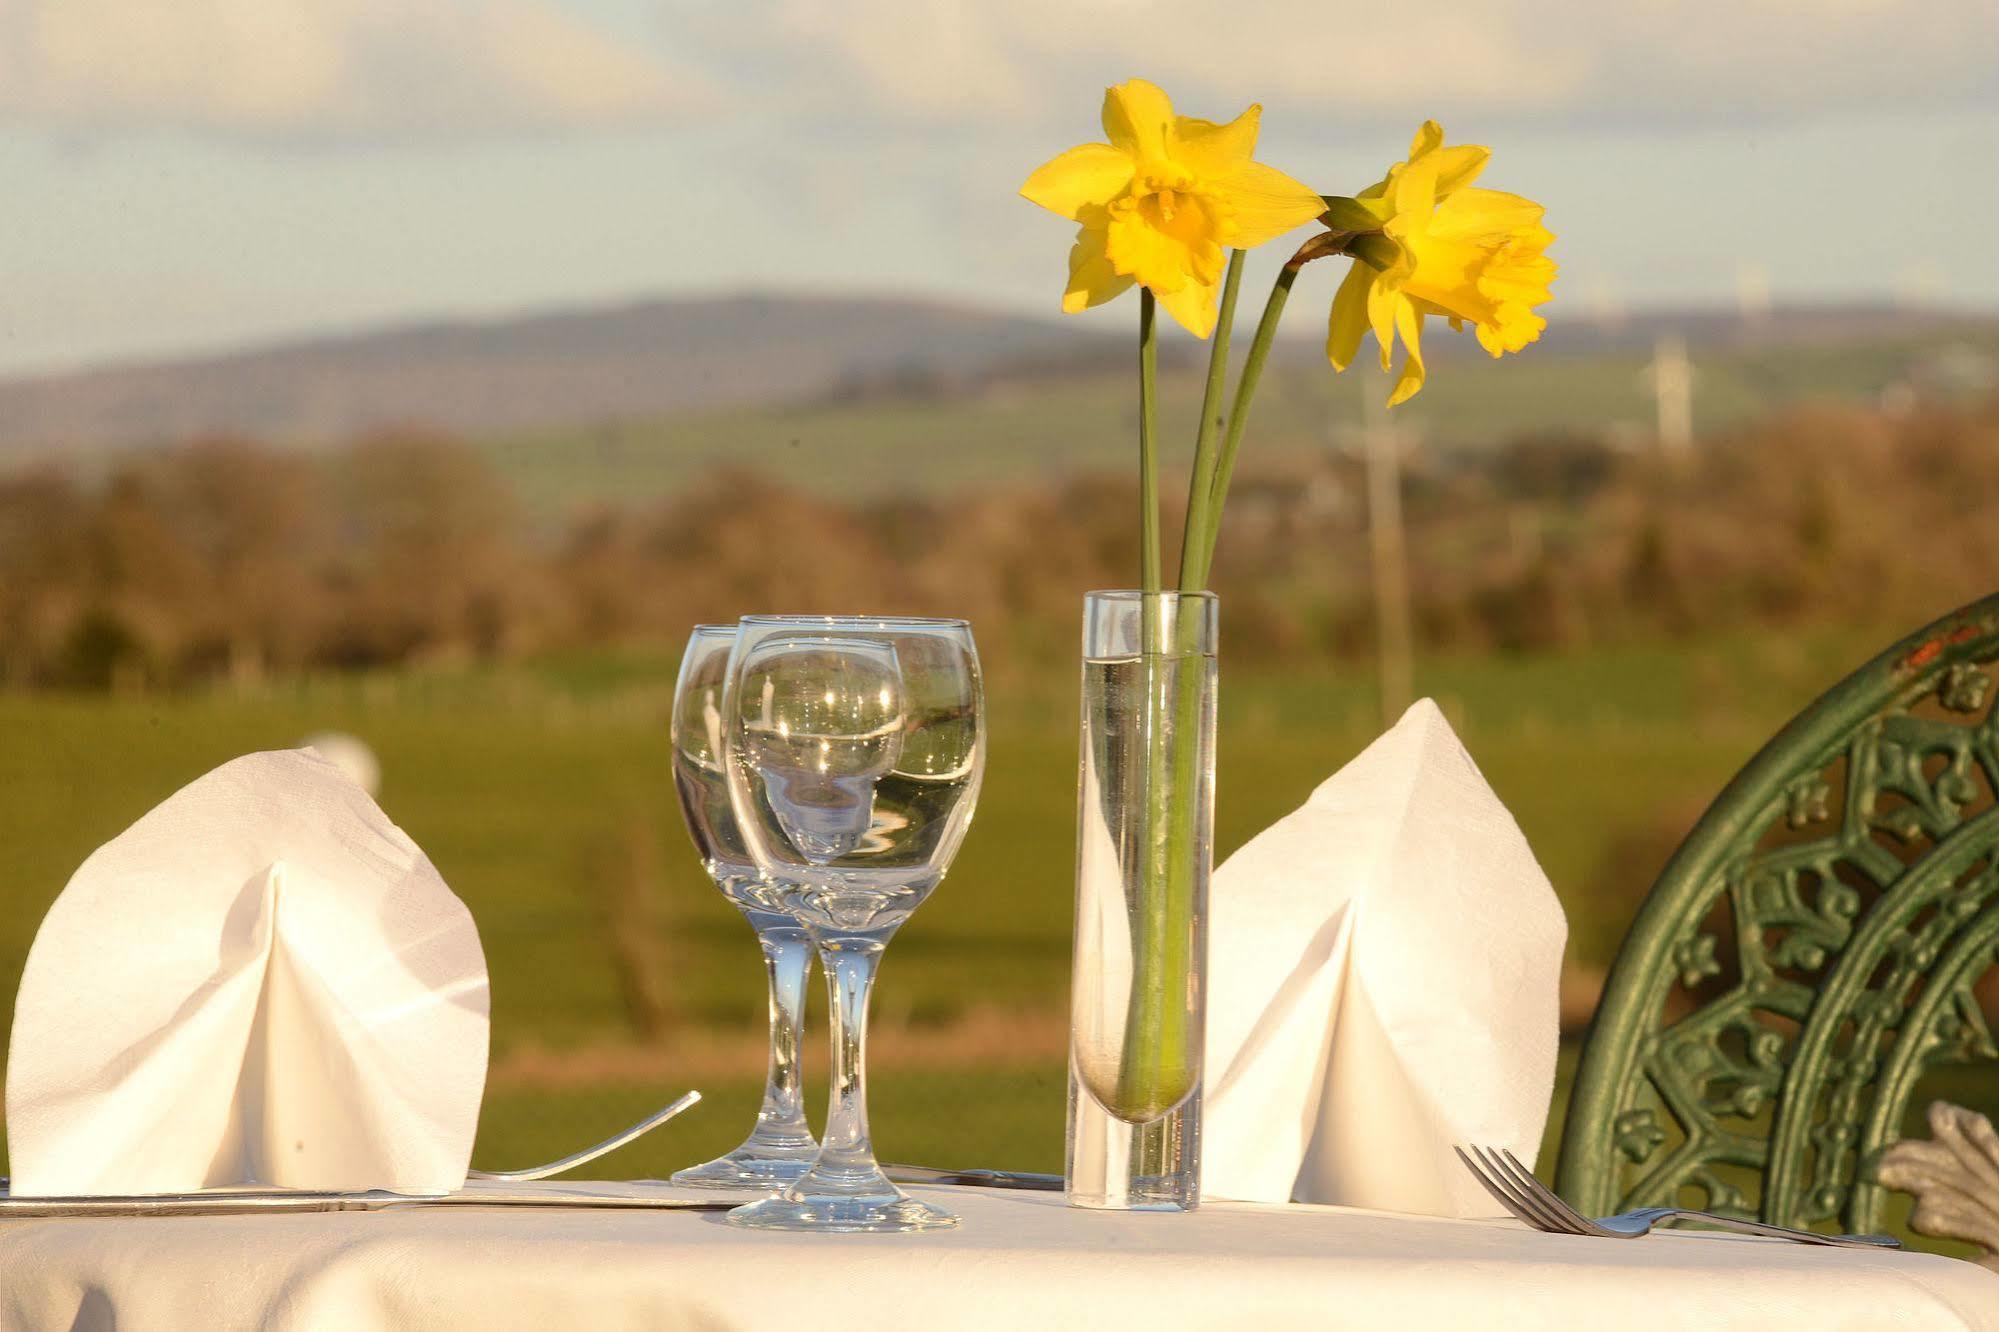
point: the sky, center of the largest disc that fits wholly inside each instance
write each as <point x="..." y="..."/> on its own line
<point x="186" y="175"/>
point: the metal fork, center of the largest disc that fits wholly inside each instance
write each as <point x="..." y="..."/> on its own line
<point x="1514" y="1185"/>
<point x="589" y="1154"/>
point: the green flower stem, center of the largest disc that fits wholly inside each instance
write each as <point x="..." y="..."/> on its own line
<point x="1245" y="391"/>
<point x="1155" y="1073"/>
<point x="1202" y="512"/>
<point x="1148" y="443"/>
<point x="1139" y="1068"/>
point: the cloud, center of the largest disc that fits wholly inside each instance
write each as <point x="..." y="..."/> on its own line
<point x="324" y="68"/>
<point x="1581" y="61"/>
<point x="345" y="68"/>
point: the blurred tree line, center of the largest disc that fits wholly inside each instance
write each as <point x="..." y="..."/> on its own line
<point x="223" y="559"/>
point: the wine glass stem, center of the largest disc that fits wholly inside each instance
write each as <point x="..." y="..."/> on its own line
<point x="787" y="963"/>
<point x="850" y="979"/>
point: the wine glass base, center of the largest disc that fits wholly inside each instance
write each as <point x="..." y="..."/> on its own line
<point x="873" y="1214"/>
<point x="743" y="1169"/>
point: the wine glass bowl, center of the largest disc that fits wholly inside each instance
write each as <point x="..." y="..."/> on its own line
<point x="781" y="1146"/>
<point x="822" y="724"/>
<point x="860" y="751"/>
<point x="853" y="749"/>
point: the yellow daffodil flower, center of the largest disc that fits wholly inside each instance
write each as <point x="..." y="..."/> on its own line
<point x="1434" y="244"/>
<point x="1163" y="202"/>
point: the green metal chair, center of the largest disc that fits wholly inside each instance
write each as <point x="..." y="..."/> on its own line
<point x="1809" y="951"/>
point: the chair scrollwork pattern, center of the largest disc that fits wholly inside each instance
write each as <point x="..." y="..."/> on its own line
<point x="1807" y="953"/>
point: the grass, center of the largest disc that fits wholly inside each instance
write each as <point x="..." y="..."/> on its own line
<point x="518" y="783"/>
<point x="1005" y="1116"/>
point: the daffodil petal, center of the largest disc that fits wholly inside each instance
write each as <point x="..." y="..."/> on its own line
<point x="1480" y="211"/>
<point x="1415" y="192"/>
<point x="1267" y="203"/>
<point x="1208" y="149"/>
<point x="1092" y="280"/>
<point x="1424" y="307"/>
<point x="1410" y="325"/>
<point x="1349" y="318"/>
<point x="1089" y="175"/>
<point x="1138" y="118"/>
<point x="1382" y="303"/>
<point x="1193" y="307"/>
<point x="1458" y="166"/>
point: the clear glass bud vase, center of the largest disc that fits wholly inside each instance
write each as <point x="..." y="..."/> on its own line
<point x="1145" y="819"/>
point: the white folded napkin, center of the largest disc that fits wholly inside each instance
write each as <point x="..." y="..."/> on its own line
<point x="262" y="981"/>
<point x="1383" y="969"/>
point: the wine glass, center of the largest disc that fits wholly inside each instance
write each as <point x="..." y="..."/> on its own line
<point x="854" y="749"/>
<point x="781" y="1146"/>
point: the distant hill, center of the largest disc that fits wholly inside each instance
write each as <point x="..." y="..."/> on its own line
<point x="1022" y="427"/>
<point x="665" y="361"/>
<point x="632" y="362"/>
<point x="1793" y="326"/>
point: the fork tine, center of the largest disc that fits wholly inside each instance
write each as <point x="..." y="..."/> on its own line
<point x="1553" y="1200"/>
<point x="1530" y="1189"/>
<point x="1550" y="1219"/>
<point x="1517" y="1201"/>
<point x="1503" y="1196"/>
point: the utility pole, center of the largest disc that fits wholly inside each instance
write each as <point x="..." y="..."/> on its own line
<point x="1752" y="295"/>
<point x="1390" y="557"/>
<point x="1671" y="376"/>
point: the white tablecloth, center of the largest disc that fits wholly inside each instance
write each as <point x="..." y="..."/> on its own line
<point x="1020" y="1260"/>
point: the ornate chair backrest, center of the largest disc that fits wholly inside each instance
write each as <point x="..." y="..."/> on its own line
<point x="1808" y="951"/>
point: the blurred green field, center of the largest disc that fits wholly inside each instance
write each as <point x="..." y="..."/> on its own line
<point x="531" y="786"/>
